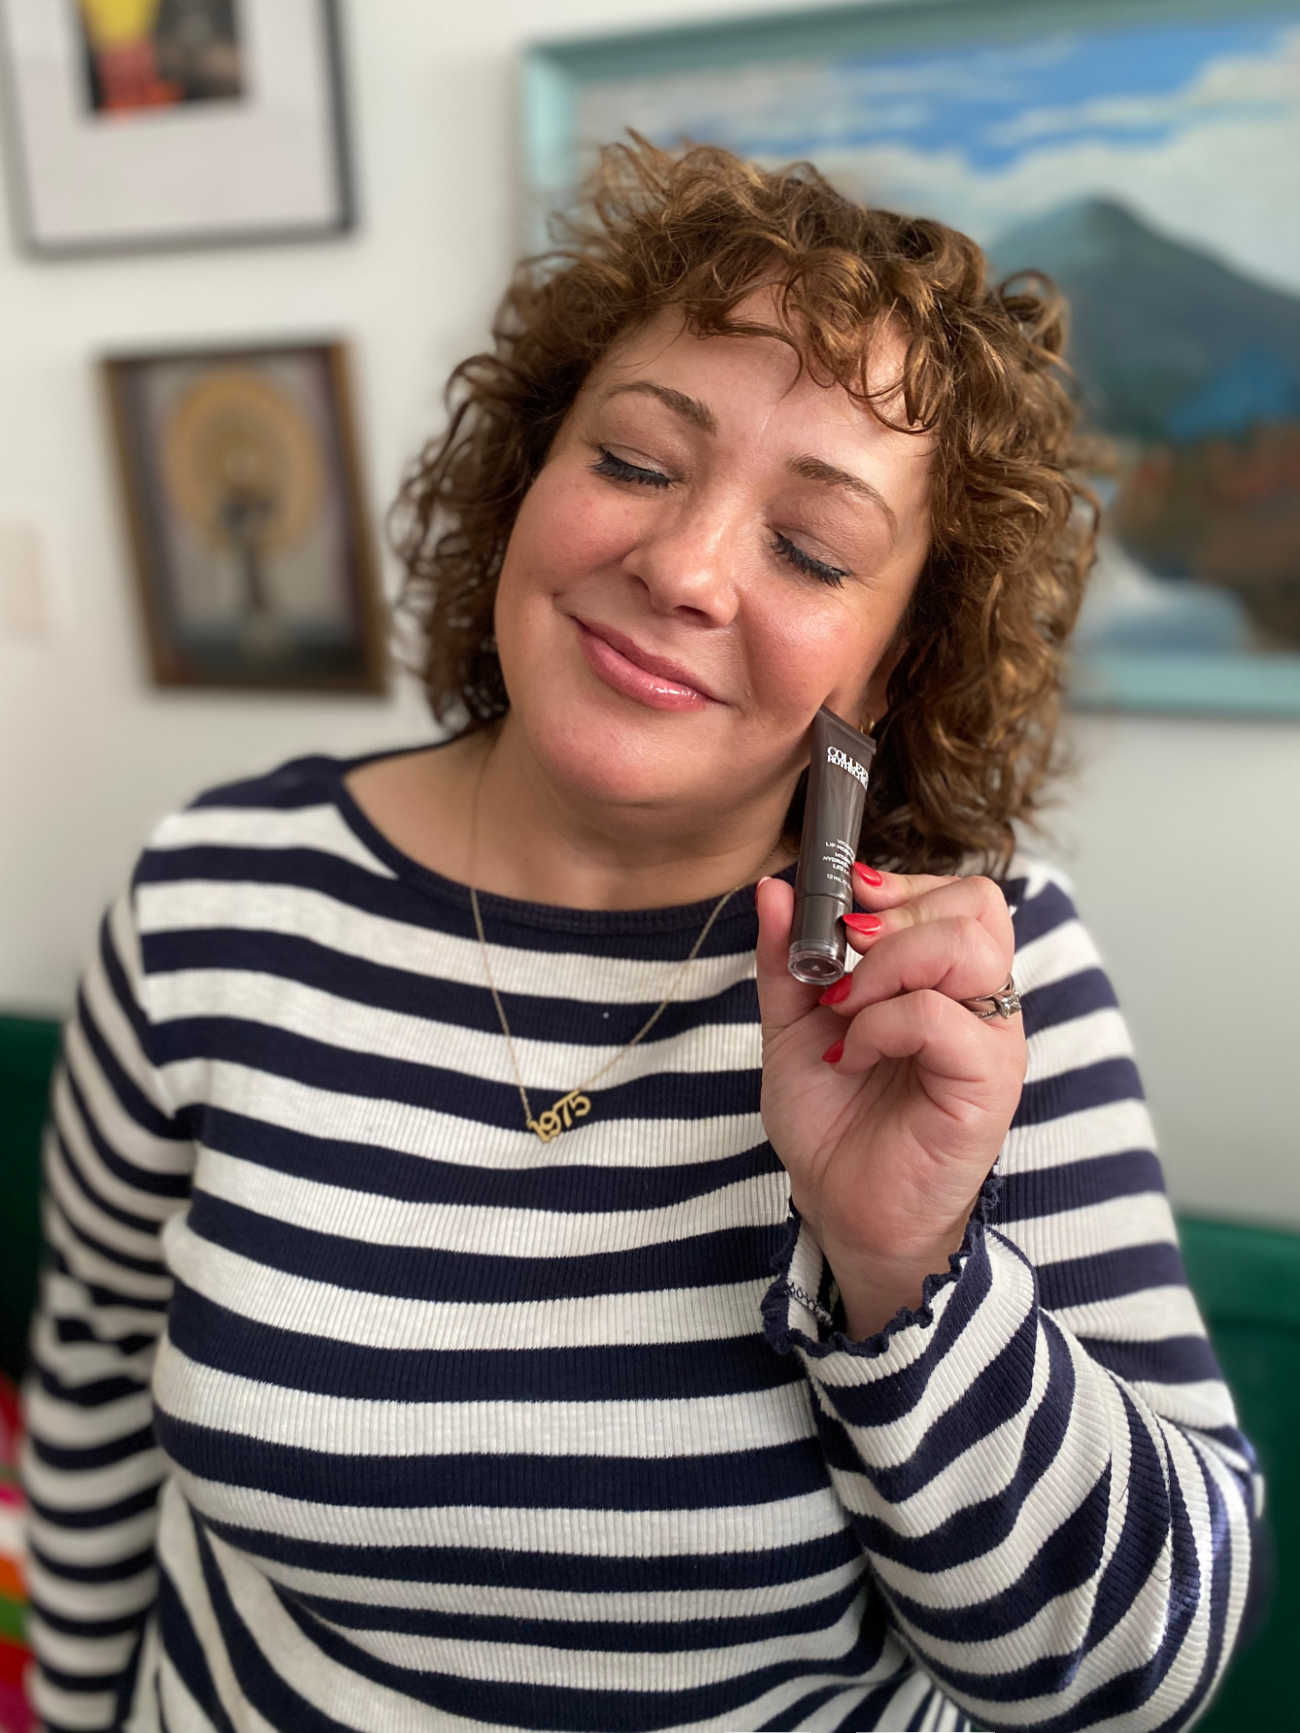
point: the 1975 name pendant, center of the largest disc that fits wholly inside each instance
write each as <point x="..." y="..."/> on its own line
<point x="574" y="1105"/>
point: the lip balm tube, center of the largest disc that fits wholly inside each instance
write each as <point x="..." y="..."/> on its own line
<point x="832" y="818"/>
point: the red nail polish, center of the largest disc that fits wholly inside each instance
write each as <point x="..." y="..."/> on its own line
<point x="841" y="990"/>
<point x="834" y="1053"/>
<point x="864" y="923"/>
<point x="868" y="875"/>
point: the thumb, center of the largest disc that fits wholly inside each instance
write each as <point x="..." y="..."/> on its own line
<point x="781" y="999"/>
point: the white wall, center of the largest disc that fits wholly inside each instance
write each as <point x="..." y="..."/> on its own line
<point x="1182" y="835"/>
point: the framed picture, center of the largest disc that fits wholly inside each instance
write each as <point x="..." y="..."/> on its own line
<point x="246" y="514"/>
<point x="1142" y="153"/>
<point x="173" y="123"/>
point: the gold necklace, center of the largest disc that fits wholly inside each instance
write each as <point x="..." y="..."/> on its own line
<point x="576" y="1104"/>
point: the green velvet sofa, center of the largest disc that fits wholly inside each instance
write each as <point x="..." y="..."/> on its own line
<point x="1246" y="1279"/>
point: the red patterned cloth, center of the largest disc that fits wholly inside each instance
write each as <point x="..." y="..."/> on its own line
<point x="15" y="1716"/>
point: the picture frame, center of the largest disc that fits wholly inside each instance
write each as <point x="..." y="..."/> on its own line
<point x="246" y="519"/>
<point x="219" y="123"/>
<point x="1141" y="153"/>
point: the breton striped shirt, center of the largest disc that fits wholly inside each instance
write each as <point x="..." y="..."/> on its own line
<point x="352" y="1405"/>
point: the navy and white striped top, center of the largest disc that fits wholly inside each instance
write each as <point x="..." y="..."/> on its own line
<point x="353" y="1406"/>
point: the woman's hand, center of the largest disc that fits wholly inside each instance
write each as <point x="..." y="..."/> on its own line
<point x="888" y="1147"/>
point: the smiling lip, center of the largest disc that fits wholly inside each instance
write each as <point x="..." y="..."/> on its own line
<point x="623" y="665"/>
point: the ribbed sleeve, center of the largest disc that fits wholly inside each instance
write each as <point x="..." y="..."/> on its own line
<point x="1041" y="1462"/>
<point x="115" y="1170"/>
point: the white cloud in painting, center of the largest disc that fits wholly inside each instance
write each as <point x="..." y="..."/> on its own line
<point x="1245" y="83"/>
<point x="1227" y="187"/>
<point x="983" y="74"/>
<point x="778" y="98"/>
<point x="775" y="101"/>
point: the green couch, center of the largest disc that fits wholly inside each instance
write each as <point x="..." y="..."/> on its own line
<point x="1247" y="1280"/>
<point x="29" y="1047"/>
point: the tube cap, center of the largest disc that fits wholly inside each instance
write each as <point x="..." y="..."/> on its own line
<point x="817" y="948"/>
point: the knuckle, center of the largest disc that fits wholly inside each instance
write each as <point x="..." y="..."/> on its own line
<point x="932" y="1006"/>
<point x="993" y="910"/>
<point x="990" y="893"/>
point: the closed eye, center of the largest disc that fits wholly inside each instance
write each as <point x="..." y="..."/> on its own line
<point x="806" y="563"/>
<point x="618" y="469"/>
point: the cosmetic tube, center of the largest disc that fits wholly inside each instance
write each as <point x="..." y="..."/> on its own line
<point x="832" y="819"/>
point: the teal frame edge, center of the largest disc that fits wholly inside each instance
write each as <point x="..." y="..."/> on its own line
<point x="1172" y="683"/>
<point x="853" y="29"/>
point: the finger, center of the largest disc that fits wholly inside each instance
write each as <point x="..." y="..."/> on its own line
<point x="781" y="999"/>
<point x="958" y="957"/>
<point x="895" y="888"/>
<point x="928" y="1026"/>
<point x="980" y="899"/>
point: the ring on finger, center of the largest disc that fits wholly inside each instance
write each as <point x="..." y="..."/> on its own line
<point x="1005" y="1003"/>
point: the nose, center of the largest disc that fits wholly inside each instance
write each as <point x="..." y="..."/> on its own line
<point x="689" y="560"/>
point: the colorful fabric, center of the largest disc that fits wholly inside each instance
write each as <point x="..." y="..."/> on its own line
<point x="15" y="1655"/>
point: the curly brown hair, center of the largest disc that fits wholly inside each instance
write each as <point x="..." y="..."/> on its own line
<point x="970" y="736"/>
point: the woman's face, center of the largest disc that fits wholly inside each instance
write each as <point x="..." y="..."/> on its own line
<point x="762" y="535"/>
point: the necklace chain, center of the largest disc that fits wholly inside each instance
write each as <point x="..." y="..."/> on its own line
<point x="576" y="1104"/>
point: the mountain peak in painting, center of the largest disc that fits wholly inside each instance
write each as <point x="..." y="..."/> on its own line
<point x="1083" y="233"/>
<point x="1157" y="323"/>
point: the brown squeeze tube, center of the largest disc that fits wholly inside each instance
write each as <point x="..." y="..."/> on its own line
<point x="832" y="818"/>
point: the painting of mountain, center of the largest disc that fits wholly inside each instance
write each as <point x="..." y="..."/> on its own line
<point x="1144" y="156"/>
<point x="1194" y="370"/>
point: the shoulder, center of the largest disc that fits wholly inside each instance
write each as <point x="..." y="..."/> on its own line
<point x="292" y="804"/>
<point x="290" y="786"/>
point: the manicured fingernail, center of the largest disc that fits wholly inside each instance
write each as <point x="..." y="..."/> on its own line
<point x="841" y="990"/>
<point x="864" y="923"/>
<point x="868" y="875"/>
<point x="834" y="1053"/>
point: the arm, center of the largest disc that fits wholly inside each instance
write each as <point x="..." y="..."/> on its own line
<point x="115" y="1168"/>
<point x="1040" y="1457"/>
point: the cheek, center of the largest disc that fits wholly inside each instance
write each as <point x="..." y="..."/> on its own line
<point x="807" y="659"/>
<point x="792" y="656"/>
<point x="564" y="527"/>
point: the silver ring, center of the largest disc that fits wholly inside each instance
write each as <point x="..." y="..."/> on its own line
<point x="1003" y="1004"/>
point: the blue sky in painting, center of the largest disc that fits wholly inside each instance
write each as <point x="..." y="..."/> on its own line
<point x="929" y="101"/>
<point x="1192" y="123"/>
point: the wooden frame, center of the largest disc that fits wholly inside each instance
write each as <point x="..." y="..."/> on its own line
<point x="245" y="511"/>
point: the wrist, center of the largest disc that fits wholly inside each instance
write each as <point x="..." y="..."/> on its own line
<point x="868" y="1309"/>
<point x="874" y="1289"/>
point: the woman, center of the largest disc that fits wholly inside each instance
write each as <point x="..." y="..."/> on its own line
<point x="549" y="1312"/>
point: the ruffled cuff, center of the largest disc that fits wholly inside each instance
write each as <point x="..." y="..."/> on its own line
<point x="803" y="1309"/>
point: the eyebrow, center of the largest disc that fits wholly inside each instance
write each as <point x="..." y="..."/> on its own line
<point x="689" y="408"/>
<point x="808" y="467"/>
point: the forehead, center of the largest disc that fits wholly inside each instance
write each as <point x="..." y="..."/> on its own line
<point x="665" y="347"/>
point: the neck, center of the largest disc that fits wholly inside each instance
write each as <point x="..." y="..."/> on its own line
<point x="544" y="844"/>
